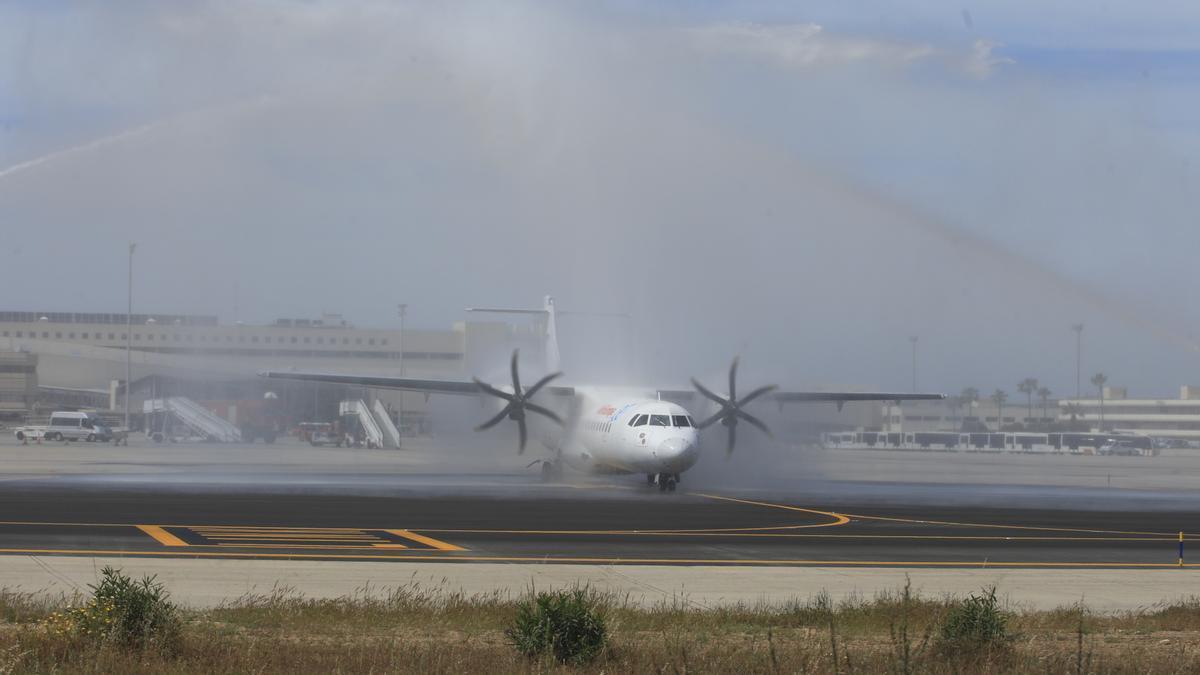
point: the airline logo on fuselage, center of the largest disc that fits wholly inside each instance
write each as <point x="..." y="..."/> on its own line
<point x="612" y="412"/>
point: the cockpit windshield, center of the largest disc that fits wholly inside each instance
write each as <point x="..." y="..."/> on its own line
<point x="681" y="421"/>
<point x="638" y="421"/>
<point x="660" y="420"/>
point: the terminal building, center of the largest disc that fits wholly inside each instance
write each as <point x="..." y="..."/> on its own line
<point x="78" y="360"/>
<point x="1158" y="417"/>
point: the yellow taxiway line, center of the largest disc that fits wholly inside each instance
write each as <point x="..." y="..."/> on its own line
<point x="727" y="562"/>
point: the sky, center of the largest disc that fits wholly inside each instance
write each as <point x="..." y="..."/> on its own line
<point x="805" y="184"/>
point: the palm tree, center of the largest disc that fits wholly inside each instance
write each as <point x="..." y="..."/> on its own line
<point x="999" y="397"/>
<point x="1075" y="411"/>
<point x="1044" y="397"/>
<point x="1099" y="380"/>
<point x="1028" y="386"/>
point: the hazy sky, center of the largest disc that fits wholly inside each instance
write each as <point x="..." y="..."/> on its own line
<point x="805" y="184"/>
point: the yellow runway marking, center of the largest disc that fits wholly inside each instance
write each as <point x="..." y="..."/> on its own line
<point x="428" y="541"/>
<point x="296" y="538"/>
<point x="162" y="536"/>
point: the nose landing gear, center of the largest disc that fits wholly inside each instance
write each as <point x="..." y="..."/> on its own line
<point x="666" y="481"/>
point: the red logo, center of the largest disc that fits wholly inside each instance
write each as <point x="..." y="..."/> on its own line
<point x="606" y="410"/>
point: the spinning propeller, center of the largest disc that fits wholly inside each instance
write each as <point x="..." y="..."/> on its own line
<point x="731" y="408"/>
<point x="518" y="402"/>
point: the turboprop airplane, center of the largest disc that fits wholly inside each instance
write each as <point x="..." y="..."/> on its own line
<point x="604" y="429"/>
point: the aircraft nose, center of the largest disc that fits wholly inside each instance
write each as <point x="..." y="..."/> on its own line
<point x="676" y="450"/>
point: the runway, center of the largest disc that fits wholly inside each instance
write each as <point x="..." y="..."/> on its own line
<point x="586" y="523"/>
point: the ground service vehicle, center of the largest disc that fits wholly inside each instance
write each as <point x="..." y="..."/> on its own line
<point x="76" y="426"/>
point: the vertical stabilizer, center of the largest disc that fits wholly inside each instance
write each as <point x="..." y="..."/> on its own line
<point x="549" y="315"/>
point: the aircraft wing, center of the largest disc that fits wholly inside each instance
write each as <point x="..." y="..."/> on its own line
<point x="847" y="396"/>
<point x="454" y="387"/>
<point x="839" y="397"/>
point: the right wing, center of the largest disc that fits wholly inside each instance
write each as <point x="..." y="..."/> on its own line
<point x="838" y="397"/>
<point x="455" y="387"/>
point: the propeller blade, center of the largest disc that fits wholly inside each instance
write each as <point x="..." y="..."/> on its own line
<point x="708" y="394"/>
<point x="495" y="420"/>
<point x="524" y="435"/>
<point x="516" y="377"/>
<point x="756" y="423"/>
<point x="709" y="422"/>
<point x="733" y="379"/>
<point x="487" y="388"/>
<point x="732" y="439"/>
<point x="541" y="383"/>
<point x="544" y="411"/>
<point x="756" y="393"/>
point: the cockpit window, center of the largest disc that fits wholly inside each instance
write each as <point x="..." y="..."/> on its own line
<point x="680" y="421"/>
<point x="691" y="422"/>
<point x="639" y="421"/>
<point x="660" y="420"/>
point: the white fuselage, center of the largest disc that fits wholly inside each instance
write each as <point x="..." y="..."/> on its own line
<point x="615" y="433"/>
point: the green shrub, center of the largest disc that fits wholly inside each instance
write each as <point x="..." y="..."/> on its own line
<point x="568" y="624"/>
<point x="133" y="614"/>
<point x="976" y="623"/>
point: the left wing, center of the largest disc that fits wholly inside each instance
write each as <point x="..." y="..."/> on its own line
<point x="453" y="387"/>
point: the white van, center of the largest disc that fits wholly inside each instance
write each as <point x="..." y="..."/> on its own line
<point x="77" y="426"/>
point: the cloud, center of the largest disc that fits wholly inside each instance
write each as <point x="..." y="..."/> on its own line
<point x="810" y="46"/>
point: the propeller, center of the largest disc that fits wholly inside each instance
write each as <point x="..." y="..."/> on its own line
<point x="518" y="402"/>
<point x="731" y="408"/>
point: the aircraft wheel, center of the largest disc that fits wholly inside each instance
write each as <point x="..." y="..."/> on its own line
<point x="662" y="482"/>
<point x="671" y="484"/>
<point x="91" y="438"/>
<point x="649" y="479"/>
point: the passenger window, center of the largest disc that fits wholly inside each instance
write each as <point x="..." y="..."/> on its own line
<point x="640" y="421"/>
<point x="660" y="420"/>
<point x="680" y="421"/>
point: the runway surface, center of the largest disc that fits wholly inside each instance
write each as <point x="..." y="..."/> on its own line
<point x="520" y="520"/>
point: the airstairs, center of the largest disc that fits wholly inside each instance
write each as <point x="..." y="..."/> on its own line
<point x="372" y="434"/>
<point x="200" y="420"/>
<point x="391" y="434"/>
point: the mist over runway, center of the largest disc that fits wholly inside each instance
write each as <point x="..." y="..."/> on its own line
<point x="441" y="504"/>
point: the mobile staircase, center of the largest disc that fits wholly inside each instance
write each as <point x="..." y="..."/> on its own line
<point x="200" y="420"/>
<point x="391" y="434"/>
<point x="372" y="434"/>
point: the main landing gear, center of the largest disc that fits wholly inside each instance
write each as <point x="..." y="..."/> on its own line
<point x="551" y="471"/>
<point x="666" y="481"/>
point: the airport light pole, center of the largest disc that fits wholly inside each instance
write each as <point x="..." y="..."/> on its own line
<point x="1078" y="328"/>
<point x="402" y="308"/>
<point x="129" y="341"/>
<point x="913" y="340"/>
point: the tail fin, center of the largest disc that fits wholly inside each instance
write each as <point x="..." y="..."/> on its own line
<point x="553" y="362"/>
